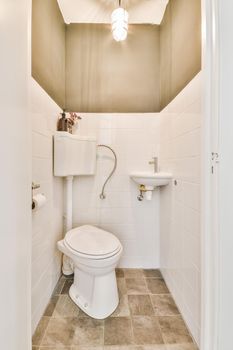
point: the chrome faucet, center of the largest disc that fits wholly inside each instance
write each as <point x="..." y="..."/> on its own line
<point x="155" y="163"/>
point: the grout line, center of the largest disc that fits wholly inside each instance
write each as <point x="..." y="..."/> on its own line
<point x="45" y="330"/>
<point x="187" y="132"/>
<point x="132" y="331"/>
<point x="103" y="332"/>
<point x="152" y="304"/>
<point x="161" y="332"/>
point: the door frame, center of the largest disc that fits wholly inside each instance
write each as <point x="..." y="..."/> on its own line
<point x="210" y="252"/>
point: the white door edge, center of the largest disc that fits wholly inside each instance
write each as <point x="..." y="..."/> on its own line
<point x="209" y="196"/>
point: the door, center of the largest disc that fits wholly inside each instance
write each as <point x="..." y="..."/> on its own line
<point x="15" y="165"/>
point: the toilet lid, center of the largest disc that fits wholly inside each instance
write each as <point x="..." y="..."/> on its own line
<point x="91" y="240"/>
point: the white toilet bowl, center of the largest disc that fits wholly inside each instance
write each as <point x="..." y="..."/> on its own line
<point x="95" y="254"/>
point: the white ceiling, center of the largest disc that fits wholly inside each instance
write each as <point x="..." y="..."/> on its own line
<point x="99" y="11"/>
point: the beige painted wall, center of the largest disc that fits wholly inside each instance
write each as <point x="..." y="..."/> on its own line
<point x="83" y="69"/>
<point x="105" y="76"/>
<point x="48" y="48"/>
<point x="180" y="47"/>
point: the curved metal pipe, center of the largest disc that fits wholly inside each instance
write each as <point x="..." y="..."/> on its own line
<point x="102" y="194"/>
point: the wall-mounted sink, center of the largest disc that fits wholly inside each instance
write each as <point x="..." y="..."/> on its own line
<point x="148" y="181"/>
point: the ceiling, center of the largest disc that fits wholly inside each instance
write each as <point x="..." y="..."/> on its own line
<point x="99" y="11"/>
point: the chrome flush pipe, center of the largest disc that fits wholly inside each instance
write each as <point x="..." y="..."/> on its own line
<point x="102" y="194"/>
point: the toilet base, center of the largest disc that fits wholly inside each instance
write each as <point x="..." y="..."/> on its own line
<point x="97" y="296"/>
<point x="67" y="266"/>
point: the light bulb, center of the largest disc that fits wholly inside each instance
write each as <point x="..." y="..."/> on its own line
<point x="120" y="24"/>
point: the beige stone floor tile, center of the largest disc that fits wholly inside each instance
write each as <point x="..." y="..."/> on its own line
<point x="55" y="348"/>
<point x="73" y="331"/>
<point x="118" y="331"/>
<point x="67" y="285"/>
<point x="123" y="307"/>
<point x="152" y="273"/>
<point x="59" y="286"/>
<point x="65" y="307"/>
<point x="146" y="330"/>
<point x="140" y="305"/>
<point x="83" y="314"/>
<point x="136" y="286"/>
<point x="156" y="286"/>
<point x="136" y="347"/>
<point x="182" y="347"/>
<point x="87" y="348"/>
<point x="120" y="272"/>
<point x="174" y="330"/>
<point x="51" y="306"/>
<point x="40" y="331"/>
<point x="164" y="305"/>
<point x="121" y="286"/>
<point x="150" y="347"/>
<point x="143" y="295"/>
<point x="118" y="347"/>
<point x="133" y="273"/>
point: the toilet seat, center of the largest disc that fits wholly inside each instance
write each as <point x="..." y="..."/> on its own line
<point x="91" y="242"/>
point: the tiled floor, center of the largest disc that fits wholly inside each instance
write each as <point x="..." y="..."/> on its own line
<point x="146" y="319"/>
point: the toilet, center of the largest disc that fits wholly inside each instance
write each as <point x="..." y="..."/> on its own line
<point x="95" y="254"/>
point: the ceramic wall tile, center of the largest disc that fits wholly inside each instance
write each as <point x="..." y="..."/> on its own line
<point x="135" y="139"/>
<point x="180" y="145"/>
<point x="47" y="223"/>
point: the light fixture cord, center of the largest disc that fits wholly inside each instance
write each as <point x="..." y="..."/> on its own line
<point x="119" y="3"/>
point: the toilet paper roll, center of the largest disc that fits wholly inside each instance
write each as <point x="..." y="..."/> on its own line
<point x="39" y="200"/>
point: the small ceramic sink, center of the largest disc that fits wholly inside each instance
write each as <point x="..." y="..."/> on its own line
<point x="151" y="180"/>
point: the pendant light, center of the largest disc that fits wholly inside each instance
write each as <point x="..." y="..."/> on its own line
<point x="120" y="23"/>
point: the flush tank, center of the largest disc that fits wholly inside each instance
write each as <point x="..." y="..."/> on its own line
<point x="74" y="155"/>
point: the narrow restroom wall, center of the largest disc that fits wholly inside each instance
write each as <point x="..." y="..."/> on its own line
<point x="180" y="204"/>
<point x="47" y="222"/>
<point x="48" y="48"/>
<point x="82" y="68"/>
<point x="135" y="138"/>
<point x="105" y="76"/>
<point x="180" y="47"/>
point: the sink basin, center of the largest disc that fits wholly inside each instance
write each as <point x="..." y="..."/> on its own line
<point x="151" y="180"/>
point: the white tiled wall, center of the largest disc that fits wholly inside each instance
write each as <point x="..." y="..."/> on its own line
<point x="170" y="239"/>
<point x="135" y="139"/>
<point x="47" y="221"/>
<point x="180" y="204"/>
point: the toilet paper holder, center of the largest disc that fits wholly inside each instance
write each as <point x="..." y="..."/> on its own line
<point x="34" y="187"/>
